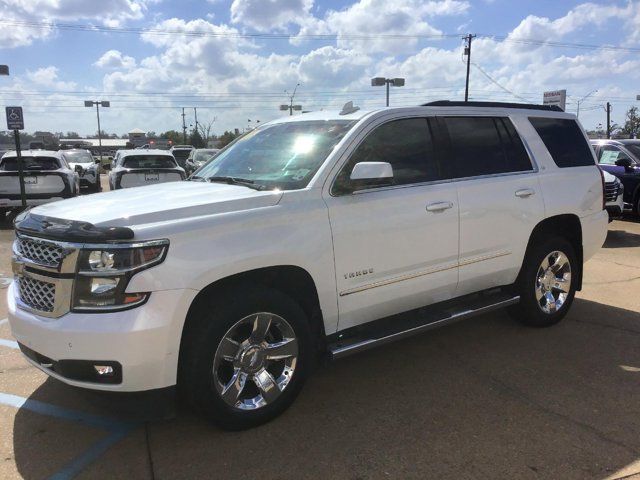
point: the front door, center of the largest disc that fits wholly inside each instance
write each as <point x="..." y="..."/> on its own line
<point x="396" y="244"/>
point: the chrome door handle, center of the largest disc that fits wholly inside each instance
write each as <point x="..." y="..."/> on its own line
<point x="439" y="206"/>
<point x="525" y="192"/>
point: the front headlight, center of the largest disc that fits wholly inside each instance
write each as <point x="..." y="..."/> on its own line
<point x="104" y="273"/>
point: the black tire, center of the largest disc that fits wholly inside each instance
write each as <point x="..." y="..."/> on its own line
<point x="529" y="310"/>
<point x="208" y="324"/>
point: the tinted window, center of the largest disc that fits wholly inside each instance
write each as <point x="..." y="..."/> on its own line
<point x="149" y="161"/>
<point x="564" y="140"/>
<point x="29" y="163"/>
<point x="78" y="157"/>
<point x="634" y="148"/>
<point x="485" y="146"/>
<point x="610" y="154"/>
<point x="406" y="144"/>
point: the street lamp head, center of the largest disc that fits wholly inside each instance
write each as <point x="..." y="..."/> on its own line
<point x="378" y="81"/>
<point x="284" y="107"/>
<point x="297" y="107"/>
<point x="397" y="82"/>
<point x="88" y="103"/>
<point x="105" y="103"/>
<point x="4" y="69"/>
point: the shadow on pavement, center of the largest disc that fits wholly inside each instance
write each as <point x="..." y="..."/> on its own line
<point x="621" y="239"/>
<point x="485" y="398"/>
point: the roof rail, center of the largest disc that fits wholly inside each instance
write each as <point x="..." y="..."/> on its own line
<point x="525" y="106"/>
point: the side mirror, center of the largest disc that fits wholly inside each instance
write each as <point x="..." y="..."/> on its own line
<point x="78" y="169"/>
<point x="96" y="160"/>
<point x="624" y="162"/>
<point x="372" y="171"/>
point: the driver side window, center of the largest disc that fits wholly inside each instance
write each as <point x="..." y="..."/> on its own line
<point x="406" y="144"/>
<point x="609" y="155"/>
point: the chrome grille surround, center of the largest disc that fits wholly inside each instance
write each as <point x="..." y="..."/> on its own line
<point x="37" y="294"/>
<point x="611" y="191"/>
<point x="43" y="271"/>
<point x="39" y="251"/>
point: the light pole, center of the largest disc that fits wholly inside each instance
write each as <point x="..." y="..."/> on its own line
<point x="98" y="104"/>
<point x="381" y="81"/>
<point x="291" y="107"/>
<point x="582" y="100"/>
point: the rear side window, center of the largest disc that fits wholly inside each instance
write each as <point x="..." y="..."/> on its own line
<point x="149" y="161"/>
<point x="29" y="163"/>
<point x="406" y="144"/>
<point x="564" y="140"/>
<point x="485" y="146"/>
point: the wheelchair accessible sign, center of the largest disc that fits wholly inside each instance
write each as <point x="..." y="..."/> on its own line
<point x="15" y="120"/>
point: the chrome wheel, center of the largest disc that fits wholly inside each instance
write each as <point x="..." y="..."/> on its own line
<point x="255" y="361"/>
<point x="553" y="282"/>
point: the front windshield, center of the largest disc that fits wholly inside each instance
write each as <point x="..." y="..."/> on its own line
<point x="634" y="148"/>
<point x="203" y="155"/>
<point x="78" y="157"/>
<point x="284" y="155"/>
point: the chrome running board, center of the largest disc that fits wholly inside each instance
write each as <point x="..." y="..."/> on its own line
<point x="415" y="322"/>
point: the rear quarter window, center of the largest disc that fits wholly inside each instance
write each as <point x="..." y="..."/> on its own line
<point x="564" y="141"/>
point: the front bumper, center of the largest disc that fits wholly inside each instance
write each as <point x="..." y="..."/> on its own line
<point x="144" y="341"/>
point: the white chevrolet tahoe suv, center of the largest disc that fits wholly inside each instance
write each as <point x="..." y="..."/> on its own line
<point x="311" y="237"/>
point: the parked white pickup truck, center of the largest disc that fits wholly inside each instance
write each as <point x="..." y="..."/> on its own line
<point x="47" y="178"/>
<point x="311" y="236"/>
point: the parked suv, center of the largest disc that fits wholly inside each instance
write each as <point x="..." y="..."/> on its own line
<point x="89" y="170"/>
<point x="313" y="236"/>
<point x="622" y="159"/>
<point x="134" y="168"/>
<point x="47" y="177"/>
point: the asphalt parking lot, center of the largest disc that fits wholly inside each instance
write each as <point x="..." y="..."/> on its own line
<point x="484" y="398"/>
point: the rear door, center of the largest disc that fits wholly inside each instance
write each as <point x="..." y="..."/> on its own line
<point x="395" y="245"/>
<point x="499" y="196"/>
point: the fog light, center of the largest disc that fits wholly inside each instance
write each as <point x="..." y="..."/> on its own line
<point x="103" y="370"/>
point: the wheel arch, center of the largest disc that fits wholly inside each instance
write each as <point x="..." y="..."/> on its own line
<point x="567" y="226"/>
<point x="292" y="280"/>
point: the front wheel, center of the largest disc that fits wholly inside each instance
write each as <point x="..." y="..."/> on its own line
<point x="547" y="283"/>
<point x="245" y="357"/>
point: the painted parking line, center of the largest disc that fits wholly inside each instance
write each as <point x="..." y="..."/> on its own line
<point x="8" y="343"/>
<point x="117" y="429"/>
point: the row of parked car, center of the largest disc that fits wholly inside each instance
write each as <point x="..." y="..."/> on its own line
<point x="55" y="175"/>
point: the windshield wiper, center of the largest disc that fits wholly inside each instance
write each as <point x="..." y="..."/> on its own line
<point x="245" y="182"/>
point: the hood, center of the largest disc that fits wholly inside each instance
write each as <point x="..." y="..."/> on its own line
<point x="158" y="203"/>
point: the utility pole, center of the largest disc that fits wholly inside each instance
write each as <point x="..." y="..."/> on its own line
<point x="467" y="52"/>
<point x="184" y="129"/>
<point x="98" y="104"/>
<point x="608" y="120"/>
<point x="195" y="114"/>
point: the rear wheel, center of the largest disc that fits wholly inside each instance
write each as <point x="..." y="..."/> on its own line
<point x="245" y="357"/>
<point x="546" y="284"/>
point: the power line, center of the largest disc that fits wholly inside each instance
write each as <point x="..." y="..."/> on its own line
<point x="288" y="36"/>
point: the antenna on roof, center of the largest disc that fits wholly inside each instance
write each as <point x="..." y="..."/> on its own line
<point x="348" y="108"/>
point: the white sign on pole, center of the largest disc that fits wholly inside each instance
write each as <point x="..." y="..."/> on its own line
<point x="556" y="97"/>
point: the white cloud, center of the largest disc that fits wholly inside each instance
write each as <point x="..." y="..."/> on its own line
<point x="111" y="13"/>
<point x="382" y="18"/>
<point x="48" y="77"/>
<point x="114" y="59"/>
<point x="265" y="15"/>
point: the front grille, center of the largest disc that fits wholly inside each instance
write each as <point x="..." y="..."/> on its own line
<point x="41" y="252"/>
<point x="611" y="191"/>
<point x="37" y="294"/>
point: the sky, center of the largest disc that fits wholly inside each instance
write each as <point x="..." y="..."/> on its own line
<point x="234" y="59"/>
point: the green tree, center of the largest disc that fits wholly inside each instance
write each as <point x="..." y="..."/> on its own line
<point x="195" y="139"/>
<point x="174" y="136"/>
<point x="632" y="123"/>
<point x="227" y="137"/>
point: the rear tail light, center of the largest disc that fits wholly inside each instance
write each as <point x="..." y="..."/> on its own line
<point x="604" y="196"/>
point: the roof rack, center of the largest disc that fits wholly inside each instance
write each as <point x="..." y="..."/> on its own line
<point x="524" y="106"/>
